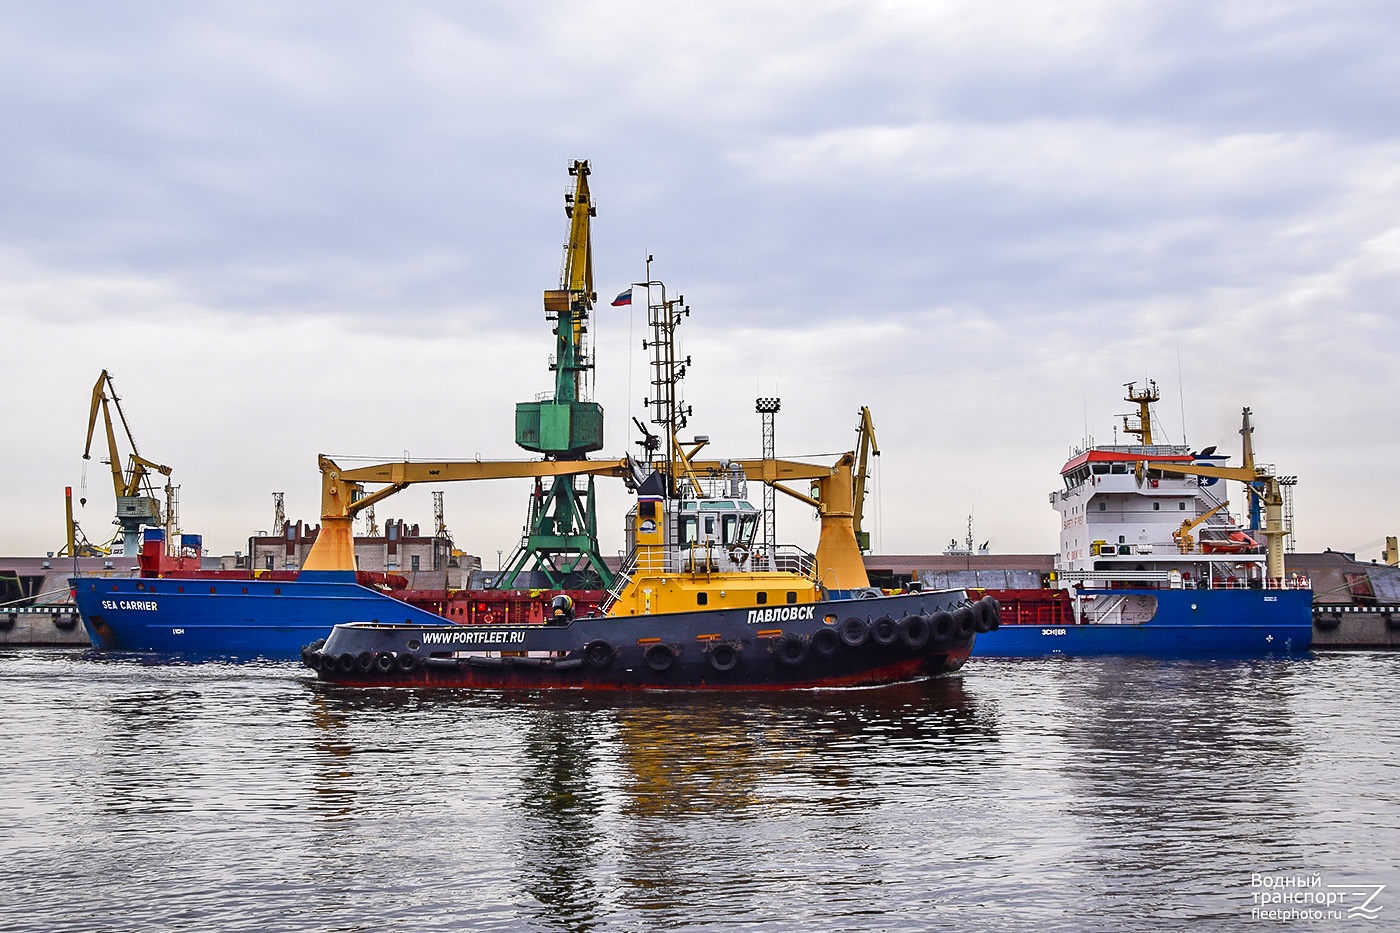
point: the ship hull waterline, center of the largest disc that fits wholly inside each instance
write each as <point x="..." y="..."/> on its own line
<point x="1185" y="623"/>
<point x="836" y="643"/>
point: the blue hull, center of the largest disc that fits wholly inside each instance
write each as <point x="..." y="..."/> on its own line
<point x="1188" y="623"/>
<point x="236" y="618"/>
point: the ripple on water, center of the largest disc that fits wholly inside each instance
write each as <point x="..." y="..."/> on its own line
<point x="1071" y="794"/>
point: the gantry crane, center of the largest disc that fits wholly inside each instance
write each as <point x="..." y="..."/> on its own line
<point x="561" y="531"/>
<point x="137" y="505"/>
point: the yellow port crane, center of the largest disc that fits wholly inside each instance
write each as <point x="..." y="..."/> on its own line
<point x="343" y="495"/>
<point x="866" y="446"/>
<point x="1258" y="481"/>
<point x="137" y="505"/>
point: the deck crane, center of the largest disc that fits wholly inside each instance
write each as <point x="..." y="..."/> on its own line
<point x="1185" y="541"/>
<point x="1259" y="481"/>
<point x="137" y="505"/>
<point x="561" y="532"/>
<point x="866" y="445"/>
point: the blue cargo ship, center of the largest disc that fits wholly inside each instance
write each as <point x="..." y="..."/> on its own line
<point x="1152" y="562"/>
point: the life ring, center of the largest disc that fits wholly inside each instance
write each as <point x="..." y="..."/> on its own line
<point x="854" y="632"/>
<point x="723" y="657"/>
<point x="825" y="642"/>
<point x="659" y="657"/>
<point x="963" y="622"/>
<point x="488" y="619"/>
<point x="791" y="649"/>
<point x="884" y="631"/>
<point x="383" y="662"/>
<point x="407" y="662"/>
<point x="914" y="631"/>
<point x="598" y="654"/>
<point x="738" y="554"/>
<point x="941" y="625"/>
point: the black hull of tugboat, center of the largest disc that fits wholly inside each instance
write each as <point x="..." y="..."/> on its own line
<point x="841" y="643"/>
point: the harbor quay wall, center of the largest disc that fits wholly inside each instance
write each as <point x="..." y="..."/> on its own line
<point x="1356" y="605"/>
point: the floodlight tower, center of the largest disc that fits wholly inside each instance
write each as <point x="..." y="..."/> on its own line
<point x="561" y="532"/>
<point x="767" y="408"/>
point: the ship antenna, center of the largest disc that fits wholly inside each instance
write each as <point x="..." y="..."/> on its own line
<point x="1181" y="394"/>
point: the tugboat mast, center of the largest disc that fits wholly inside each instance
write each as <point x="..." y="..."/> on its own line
<point x="669" y="412"/>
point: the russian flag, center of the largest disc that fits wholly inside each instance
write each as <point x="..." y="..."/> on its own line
<point x="623" y="300"/>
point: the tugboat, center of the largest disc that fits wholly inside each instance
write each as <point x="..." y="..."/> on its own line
<point x="1151" y="562"/>
<point x="697" y="606"/>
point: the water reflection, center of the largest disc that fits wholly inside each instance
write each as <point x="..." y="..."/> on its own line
<point x="1185" y="778"/>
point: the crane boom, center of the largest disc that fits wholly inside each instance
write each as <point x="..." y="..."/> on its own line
<point x="866" y="445"/>
<point x="136" y="502"/>
<point x="1258" y="481"/>
<point x="343" y="493"/>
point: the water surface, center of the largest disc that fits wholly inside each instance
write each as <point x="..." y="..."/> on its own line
<point x="1093" y="794"/>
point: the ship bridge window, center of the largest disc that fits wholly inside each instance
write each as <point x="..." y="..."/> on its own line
<point x="689" y="530"/>
<point x="1181" y="506"/>
<point x="1156" y="506"/>
<point x="1100" y="468"/>
<point x="739" y="529"/>
<point x="1103" y="506"/>
<point x="1120" y="468"/>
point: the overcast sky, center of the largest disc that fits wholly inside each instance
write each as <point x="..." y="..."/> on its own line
<point x="291" y="228"/>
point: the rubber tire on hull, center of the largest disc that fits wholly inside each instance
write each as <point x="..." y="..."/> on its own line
<point x="964" y="624"/>
<point x="346" y="662"/>
<point x="598" y="654"/>
<point x="791" y="649"/>
<point x="854" y="632"/>
<point x="941" y="625"/>
<point x="723" y="657"/>
<point x="825" y="642"/>
<point x="364" y="662"/>
<point x="659" y="657"/>
<point x="383" y="662"/>
<point x="407" y="662"/>
<point x="984" y="615"/>
<point x="884" y="631"/>
<point x="914" y="631"/>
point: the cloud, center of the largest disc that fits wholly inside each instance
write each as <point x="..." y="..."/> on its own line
<point x="288" y="232"/>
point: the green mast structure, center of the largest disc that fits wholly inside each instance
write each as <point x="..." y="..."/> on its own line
<point x="561" y="534"/>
